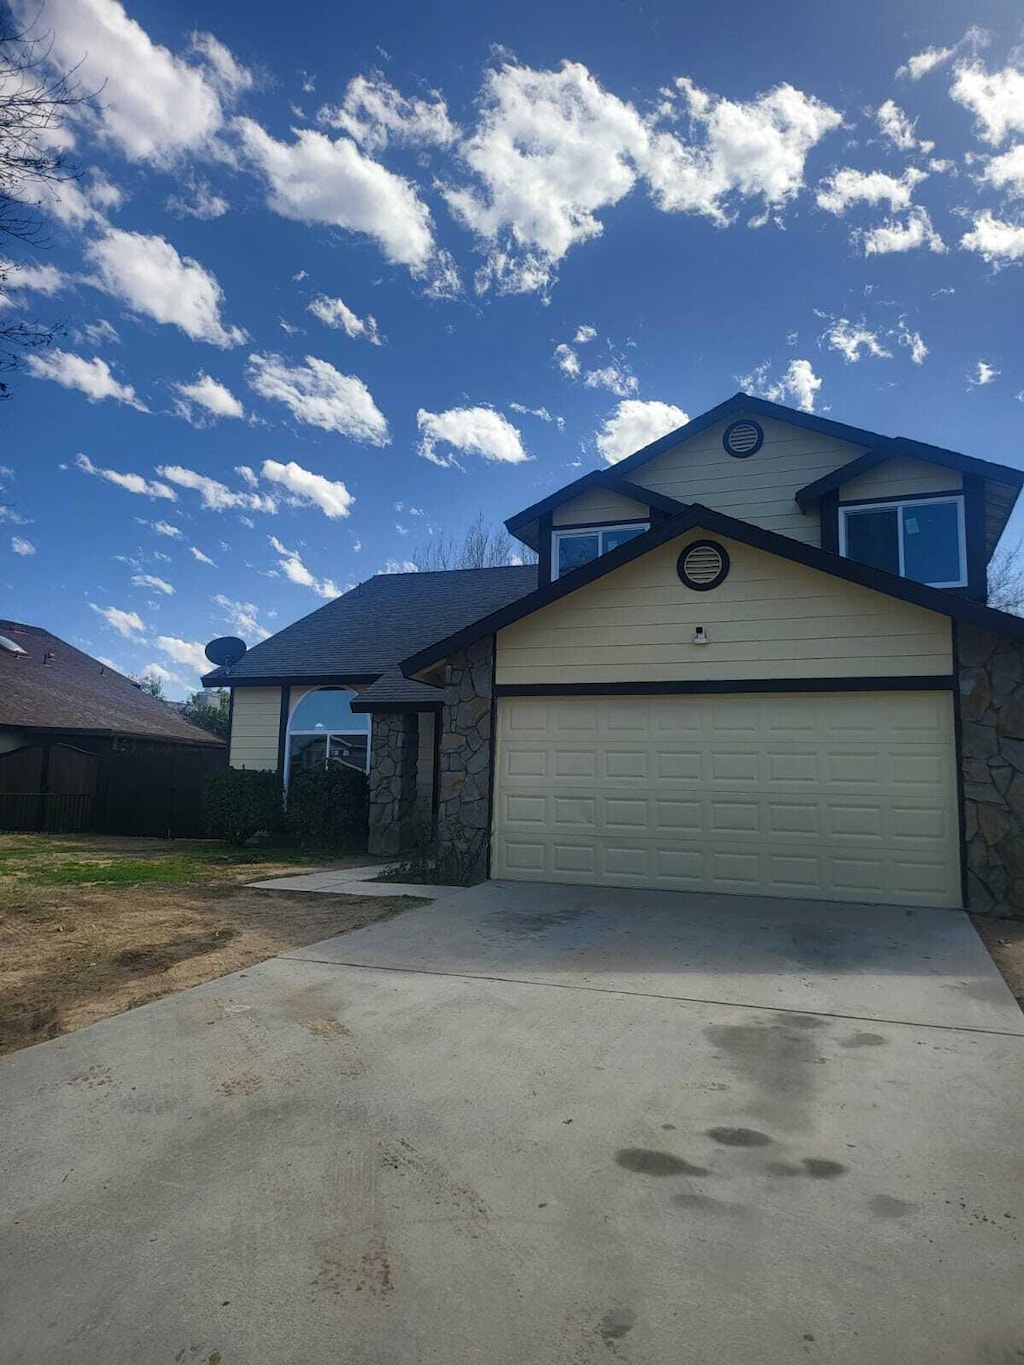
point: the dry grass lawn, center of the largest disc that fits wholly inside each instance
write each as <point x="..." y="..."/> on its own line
<point x="91" y="926"/>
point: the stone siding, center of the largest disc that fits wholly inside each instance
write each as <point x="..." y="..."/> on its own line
<point x="991" y="682"/>
<point x="393" y="752"/>
<point x="464" y="804"/>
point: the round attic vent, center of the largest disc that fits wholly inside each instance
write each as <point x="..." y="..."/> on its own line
<point x="742" y="438"/>
<point x="703" y="565"/>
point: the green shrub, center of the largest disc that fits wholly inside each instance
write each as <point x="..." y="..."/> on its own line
<point x="329" y="808"/>
<point x="239" y="803"/>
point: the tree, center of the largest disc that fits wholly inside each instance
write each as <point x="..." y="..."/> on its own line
<point x="152" y="686"/>
<point x="214" y="718"/>
<point x="33" y="107"/>
<point x="480" y="547"/>
<point x="1006" y="579"/>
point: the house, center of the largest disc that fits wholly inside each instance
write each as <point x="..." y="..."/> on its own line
<point x="754" y="657"/>
<point x="84" y="748"/>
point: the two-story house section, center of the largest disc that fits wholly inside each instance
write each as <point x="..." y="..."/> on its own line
<point x="748" y="660"/>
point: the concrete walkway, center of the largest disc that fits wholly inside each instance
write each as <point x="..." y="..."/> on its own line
<point x="536" y="1125"/>
<point x="351" y="881"/>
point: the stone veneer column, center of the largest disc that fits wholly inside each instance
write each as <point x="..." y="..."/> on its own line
<point x="991" y="681"/>
<point x="463" y="816"/>
<point x="393" y="752"/>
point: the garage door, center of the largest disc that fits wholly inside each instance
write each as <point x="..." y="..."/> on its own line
<point x="836" y="796"/>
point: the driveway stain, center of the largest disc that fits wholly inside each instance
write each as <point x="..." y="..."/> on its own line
<point x="739" y="1137"/>
<point x="616" y="1323"/>
<point x="325" y="1028"/>
<point x="776" y="1056"/>
<point x="645" y="1161"/>
<point x="246" y="1083"/>
<point x="885" y="1206"/>
<point x="706" y="1203"/>
<point x="818" y="1168"/>
<point x="864" y="1040"/>
<point x="92" y="1078"/>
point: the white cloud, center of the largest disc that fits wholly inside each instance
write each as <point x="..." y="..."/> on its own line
<point x="333" y="499"/>
<point x="199" y="202"/>
<point x="542" y="413"/>
<point x="97" y="333"/>
<point x="226" y="72"/>
<point x="37" y="279"/>
<point x="126" y="623"/>
<point x="753" y="150"/>
<point x="188" y="652"/>
<point x="914" y="342"/>
<point x="799" y="384"/>
<point x="315" y="180"/>
<point x="21" y="546"/>
<point x="92" y="377"/>
<point x="374" y="114"/>
<point x="568" y="360"/>
<point x="853" y="340"/>
<point x="998" y="242"/>
<point x="615" y="378"/>
<point x="209" y="394"/>
<point x="995" y="98"/>
<point x="243" y="617"/>
<point x="196" y="553"/>
<point x="925" y="61"/>
<point x="319" y="395"/>
<point x="983" y="373"/>
<point x="584" y="333"/>
<point x="165" y="676"/>
<point x="133" y="483"/>
<point x="400" y="566"/>
<point x="148" y="580"/>
<point x="294" y="569"/>
<point x="148" y="275"/>
<point x="150" y="103"/>
<point x="1006" y="172"/>
<point x="916" y="231"/>
<point x="336" y="313"/>
<point x="845" y="187"/>
<point x="469" y="431"/>
<point x="635" y="424"/>
<point x="216" y="496"/>
<point x="899" y="128"/>
<point x="164" y="528"/>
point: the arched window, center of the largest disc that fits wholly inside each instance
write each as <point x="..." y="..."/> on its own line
<point x="323" y="731"/>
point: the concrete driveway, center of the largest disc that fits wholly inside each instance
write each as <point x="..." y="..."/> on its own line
<point x="535" y="1124"/>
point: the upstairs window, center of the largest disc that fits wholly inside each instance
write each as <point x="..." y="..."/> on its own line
<point x="923" y="540"/>
<point x="572" y="549"/>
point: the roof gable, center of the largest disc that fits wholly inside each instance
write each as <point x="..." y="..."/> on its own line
<point x="705" y="518"/>
<point x="898" y="447"/>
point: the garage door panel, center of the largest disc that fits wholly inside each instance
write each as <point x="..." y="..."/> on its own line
<point x="823" y="795"/>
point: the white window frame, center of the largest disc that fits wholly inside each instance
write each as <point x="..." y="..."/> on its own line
<point x="323" y="730"/>
<point x="568" y="532"/>
<point x="901" y="504"/>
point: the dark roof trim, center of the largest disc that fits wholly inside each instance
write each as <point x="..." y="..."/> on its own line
<point x="914" y="450"/>
<point x="931" y="599"/>
<point x="938" y="682"/>
<point x="222" y="678"/>
<point x="647" y="495"/>
<point x="146" y="736"/>
<point x="596" y="478"/>
<point x="372" y="707"/>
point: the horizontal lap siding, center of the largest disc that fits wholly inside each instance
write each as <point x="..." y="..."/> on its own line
<point x="901" y="479"/>
<point x="599" y="504"/>
<point x="255" y="721"/>
<point x="769" y="619"/>
<point x="761" y="489"/>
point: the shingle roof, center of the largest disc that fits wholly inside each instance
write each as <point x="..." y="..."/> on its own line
<point x="362" y="635"/>
<point x="56" y="687"/>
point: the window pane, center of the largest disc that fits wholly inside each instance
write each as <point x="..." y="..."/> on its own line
<point x="871" y="538"/>
<point x="349" y="751"/>
<point x="620" y="535"/>
<point x="931" y="542"/>
<point x="328" y="708"/>
<point x="574" y="551"/>
<point x="307" y="751"/>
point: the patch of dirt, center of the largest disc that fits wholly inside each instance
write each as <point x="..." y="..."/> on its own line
<point x="73" y="954"/>
<point x="1004" y="938"/>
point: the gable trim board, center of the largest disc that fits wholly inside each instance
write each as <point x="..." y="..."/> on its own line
<point x="704" y="518"/>
<point x="895" y="447"/>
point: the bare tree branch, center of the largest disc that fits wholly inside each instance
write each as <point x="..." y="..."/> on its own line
<point x="1006" y="579"/>
<point x="480" y="547"/>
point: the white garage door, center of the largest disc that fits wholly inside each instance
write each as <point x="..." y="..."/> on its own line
<point x="829" y="795"/>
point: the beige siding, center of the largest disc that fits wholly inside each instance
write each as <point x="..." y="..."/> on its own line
<point x="598" y="504"/>
<point x="761" y="489"/>
<point x="256" y="718"/>
<point x="771" y="618"/>
<point x="901" y="479"/>
<point x="425" y="767"/>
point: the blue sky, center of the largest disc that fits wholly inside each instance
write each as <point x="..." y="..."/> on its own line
<point x="333" y="285"/>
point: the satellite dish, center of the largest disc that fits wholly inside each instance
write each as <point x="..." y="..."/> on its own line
<point x="225" y="651"/>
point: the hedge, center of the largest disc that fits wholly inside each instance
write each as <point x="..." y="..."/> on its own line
<point x="329" y="808"/>
<point x="239" y="803"/>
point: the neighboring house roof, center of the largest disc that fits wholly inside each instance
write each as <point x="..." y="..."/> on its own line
<point x="696" y="515"/>
<point x="362" y="636"/>
<point x="746" y="404"/>
<point x="53" y="686"/>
